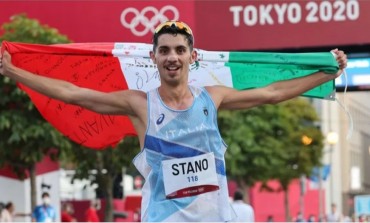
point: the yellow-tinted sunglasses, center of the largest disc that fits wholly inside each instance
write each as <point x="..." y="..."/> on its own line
<point x="177" y="24"/>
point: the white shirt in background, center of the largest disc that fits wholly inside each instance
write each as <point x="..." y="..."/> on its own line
<point x="244" y="212"/>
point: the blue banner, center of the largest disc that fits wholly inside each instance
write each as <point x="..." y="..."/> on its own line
<point x="358" y="74"/>
<point x="325" y="172"/>
<point x="362" y="205"/>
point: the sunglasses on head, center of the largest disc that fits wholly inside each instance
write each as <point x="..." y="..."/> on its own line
<point x="176" y="24"/>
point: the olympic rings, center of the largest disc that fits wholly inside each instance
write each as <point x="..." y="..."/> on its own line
<point x="140" y="18"/>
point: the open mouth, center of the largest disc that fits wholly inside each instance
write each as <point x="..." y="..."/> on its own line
<point x="172" y="68"/>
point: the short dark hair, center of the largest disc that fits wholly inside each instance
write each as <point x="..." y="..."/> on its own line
<point x="238" y="195"/>
<point x="174" y="30"/>
<point x="9" y="205"/>
<point x="45" y="194"/>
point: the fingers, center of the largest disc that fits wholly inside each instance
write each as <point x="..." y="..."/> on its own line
<point x="5" y="57"/>
<point x="341" y="58"/>
<point x="4" y="61"/>
<point x="334" y="50"/>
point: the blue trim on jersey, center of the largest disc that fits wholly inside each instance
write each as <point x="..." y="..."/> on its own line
<point x="169" y="148"/>
<point x="161" y="207"/>
<point x="178" y="151"/>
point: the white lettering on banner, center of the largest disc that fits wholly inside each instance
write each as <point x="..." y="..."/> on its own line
<point x="358" y="64"/>
<point x="141" y="18"/>
<point x="281" y="13"/>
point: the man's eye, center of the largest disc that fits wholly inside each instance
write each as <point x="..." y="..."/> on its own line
<point x="163" y="51"/>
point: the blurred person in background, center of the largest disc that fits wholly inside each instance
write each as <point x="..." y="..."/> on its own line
<point x="299" y="217"/>
<point x="66" y="214"/>
<point x="244" y="211"/>
<point x="91" y="214"/>
<point x="8" y="214"/>
<point x="270" y="218"/>
<point x="44" y="212"/>
<point x="311" y="218"/>
<point x="334" y="215"/>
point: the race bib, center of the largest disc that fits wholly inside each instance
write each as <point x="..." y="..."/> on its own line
<point x="190" y="176"/>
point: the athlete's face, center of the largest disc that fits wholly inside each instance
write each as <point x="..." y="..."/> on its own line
<point x="173" y="57"/>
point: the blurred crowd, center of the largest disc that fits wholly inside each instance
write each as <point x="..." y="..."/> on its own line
<point x="45" y="212"/>
<point x="48" y="213"/>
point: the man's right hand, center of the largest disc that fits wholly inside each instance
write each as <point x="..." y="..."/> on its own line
<point x="4" y="62"/>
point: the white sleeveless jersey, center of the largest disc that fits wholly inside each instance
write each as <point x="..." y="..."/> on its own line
<point x="176" y="136"/>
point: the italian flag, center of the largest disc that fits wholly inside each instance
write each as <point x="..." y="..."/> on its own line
<point x="112" y="67"/>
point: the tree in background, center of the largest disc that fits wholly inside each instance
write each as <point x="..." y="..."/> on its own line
<point x="107" y="165"/>
<point x="26" y="30"/>
<point x="25" y="137"/>
<point x="272" y="142"/>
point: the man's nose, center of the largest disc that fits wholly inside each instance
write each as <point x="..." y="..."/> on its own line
<point x="172" y="56"/>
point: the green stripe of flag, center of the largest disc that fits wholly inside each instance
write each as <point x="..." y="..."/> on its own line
<point x="257" y="69"/>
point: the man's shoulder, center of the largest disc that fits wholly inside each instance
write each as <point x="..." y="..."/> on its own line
<point x="38" y="207"/>
<point x="42" y="206"/>
<point x="242" y="205"/>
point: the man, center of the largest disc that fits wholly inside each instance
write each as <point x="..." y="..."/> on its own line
<point x="66" y="214"/>
<point x="300" y="217"/>
<point x="44" y="212"/>
<point x="91" y="214"/>
<point x="334" y="215"/>
<point x="182" y="157"/>
<point x="7" y="214"/>
<point x="244" y="211"/>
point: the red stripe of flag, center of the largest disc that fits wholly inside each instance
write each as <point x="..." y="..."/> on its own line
<point x="86" y="65"/>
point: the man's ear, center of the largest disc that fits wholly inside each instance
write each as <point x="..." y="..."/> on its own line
<point x="194" y="56"/>
<point x="152" y="56"/>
